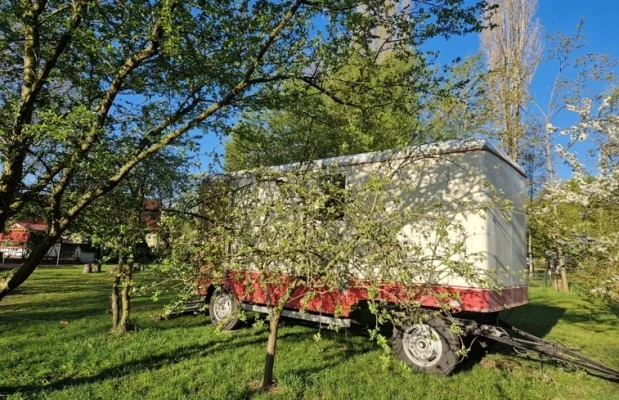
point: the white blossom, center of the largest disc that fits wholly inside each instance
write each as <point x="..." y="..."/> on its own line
<point x="601" y="186"/>
<point x="550" y="128"/>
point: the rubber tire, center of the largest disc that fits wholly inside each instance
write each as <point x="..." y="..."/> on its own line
<point x="449" y="357"/>
<point x="228" y="324"/>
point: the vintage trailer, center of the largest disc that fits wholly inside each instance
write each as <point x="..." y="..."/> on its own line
<point x="447" y="173"/>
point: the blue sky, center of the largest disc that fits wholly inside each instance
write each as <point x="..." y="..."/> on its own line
<point x="600" y="28"/>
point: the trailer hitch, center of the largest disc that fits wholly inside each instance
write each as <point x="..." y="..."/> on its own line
<point x="527" y="344"/>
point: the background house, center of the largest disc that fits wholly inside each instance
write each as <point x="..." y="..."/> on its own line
<point x="14" y="243"/>
<point x="20" y="232"/>
<point x="77" y="253"/>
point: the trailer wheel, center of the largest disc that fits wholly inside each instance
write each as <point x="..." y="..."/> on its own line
<point x="430" y="347"/>
<point x="224" y="309"/>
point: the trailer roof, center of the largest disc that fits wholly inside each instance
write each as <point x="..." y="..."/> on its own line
<point x="447" y="147"/>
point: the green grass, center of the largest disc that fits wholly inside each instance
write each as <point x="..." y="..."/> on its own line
<point x="184" y="358"/>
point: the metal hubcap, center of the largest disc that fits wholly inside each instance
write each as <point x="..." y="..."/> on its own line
<point x="222" y="307"/>
<point x="422" y="345"/>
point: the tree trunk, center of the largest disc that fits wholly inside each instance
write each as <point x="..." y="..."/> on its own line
<point x="267" y="380"/>
<point x="124" y="324"/>
<point x="115" y="302"/>
<point x="117" y="318"/>
<point x="12" y="174"/>
<point x="275" y="314"/>
<point x="564" y="284"/>
<point x="531" y="268"/>
<point x="555" y="281"/>
<point x="15" y="154"/>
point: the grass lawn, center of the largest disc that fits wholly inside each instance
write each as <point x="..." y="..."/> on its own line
<point x="184" y="358"/>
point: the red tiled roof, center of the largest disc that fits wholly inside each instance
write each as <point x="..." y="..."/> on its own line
<point x="19" y="232"/>
<point x="32" y="225"/>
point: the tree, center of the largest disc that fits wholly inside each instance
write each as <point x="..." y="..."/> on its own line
<point x="513" y="50"/>
<point x="362" y="106"/>
<point x="121" y="221"/>
<point x="399" y="101"/>
<point x="91" y="90"/>
<point x="463" y="108"/>
<point x="578" y="76"/>
<point x="596" y="194"/>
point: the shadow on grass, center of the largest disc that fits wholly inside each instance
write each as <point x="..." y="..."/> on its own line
<point x="335" y="357"/>
<point x="537" y="319"/>
<point x="475" y="355"/>
<point x="151" y="362"/>
<point x="70" y="308"/>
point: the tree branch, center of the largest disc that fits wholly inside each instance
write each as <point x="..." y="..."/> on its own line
<point x="131" y="64"/>
<point x="114" y="180"/>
